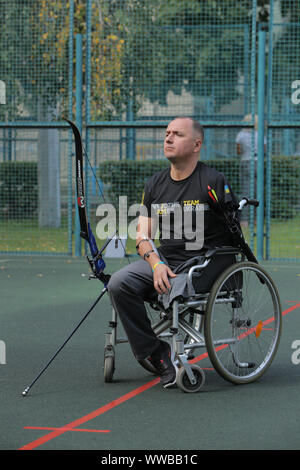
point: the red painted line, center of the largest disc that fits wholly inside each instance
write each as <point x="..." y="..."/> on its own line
<point x="288" y="310"/>
<point x="109" y="406"/>
<point x="66" y="428"/>
<point x="198" y="358"/>
<point x="88" y="417"/>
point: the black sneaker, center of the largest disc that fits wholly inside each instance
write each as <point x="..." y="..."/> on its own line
<point x="162" y="361"/>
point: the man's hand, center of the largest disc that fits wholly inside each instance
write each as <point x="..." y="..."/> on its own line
<point x="161" y="276"/>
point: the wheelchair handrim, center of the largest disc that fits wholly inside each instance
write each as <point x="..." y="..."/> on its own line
<point x="236" y="374"/>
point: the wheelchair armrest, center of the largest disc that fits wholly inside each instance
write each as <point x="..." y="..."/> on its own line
<point x="197" y="267"/>
<point x="222" y="250"/>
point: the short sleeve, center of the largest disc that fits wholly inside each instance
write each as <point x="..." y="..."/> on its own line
<point x="238" y="138"/>
<point x="226" y="193"/>
<point x="221" y="192"/>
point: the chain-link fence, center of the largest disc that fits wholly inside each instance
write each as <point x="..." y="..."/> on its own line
<point x="282" y="187"/>
<point x="153" y="61"/>
<point x="36" y="70"/>
<point x="123" y="69"/>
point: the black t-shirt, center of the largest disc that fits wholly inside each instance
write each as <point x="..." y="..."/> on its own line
<point x="187" y="224"/>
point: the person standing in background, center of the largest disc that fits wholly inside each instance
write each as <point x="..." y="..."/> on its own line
<point x="244" y="148"/>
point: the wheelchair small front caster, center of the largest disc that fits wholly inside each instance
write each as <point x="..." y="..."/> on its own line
<point x="183" y="380"/>
<point x="109" y="363"/>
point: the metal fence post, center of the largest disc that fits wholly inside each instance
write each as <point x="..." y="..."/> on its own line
<point x="88" y="80"/>
<point x="260" y="142"/>
<point x="252" y="96"/>
<point x="79" y="125"/>
<point x="269" y="132"/>
<point x="70" y="141"/>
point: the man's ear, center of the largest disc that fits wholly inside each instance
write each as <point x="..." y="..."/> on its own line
<point x="197" y="145"/>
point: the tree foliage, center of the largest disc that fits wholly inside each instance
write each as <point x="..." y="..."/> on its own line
<point x="34" y="62"/>
<point x="140" y="49"/>
<point x="171" y="46"/>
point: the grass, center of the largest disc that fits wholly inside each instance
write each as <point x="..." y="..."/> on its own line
<point x="285" y="238"/>
<point x="26" y="236"/>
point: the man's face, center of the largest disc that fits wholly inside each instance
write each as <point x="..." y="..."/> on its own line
<point x="181" y="141"/>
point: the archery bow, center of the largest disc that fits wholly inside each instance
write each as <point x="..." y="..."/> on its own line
<point x="97" y="263"/>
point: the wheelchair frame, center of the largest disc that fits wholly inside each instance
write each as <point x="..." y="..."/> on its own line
<point x="228" y="321"/>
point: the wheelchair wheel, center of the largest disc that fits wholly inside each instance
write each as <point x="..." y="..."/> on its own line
<point x="109" y="363"/>
<point x="184" y="383"/>
<point x="243" y="322"/>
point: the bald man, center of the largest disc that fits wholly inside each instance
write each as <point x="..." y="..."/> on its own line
<point x="177" y="200"/>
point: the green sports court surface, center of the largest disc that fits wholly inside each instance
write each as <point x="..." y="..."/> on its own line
<point x="71" y="407"/>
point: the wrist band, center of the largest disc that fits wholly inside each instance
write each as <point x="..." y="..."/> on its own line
<point x="146" y="255"/>
<point x="156" y="264"/>
<point x="141" y="241"/>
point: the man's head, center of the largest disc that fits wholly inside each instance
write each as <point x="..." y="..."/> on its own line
<point x="184" y="137"/>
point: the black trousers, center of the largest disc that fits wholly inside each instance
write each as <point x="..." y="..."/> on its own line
<point x="128" y="289"/>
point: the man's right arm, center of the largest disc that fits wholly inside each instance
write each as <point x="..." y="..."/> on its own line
<point x="144" y="243"/>
<point x="145" y="229"/>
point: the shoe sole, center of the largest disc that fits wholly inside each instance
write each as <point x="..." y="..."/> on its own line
<point x="172" y="358"/>
<point x="174" y="383"/>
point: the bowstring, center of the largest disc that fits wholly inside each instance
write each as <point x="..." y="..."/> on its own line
<point x="104" y="199"/>
<point x="117" y="233"/>
<point x="149" y="311"/>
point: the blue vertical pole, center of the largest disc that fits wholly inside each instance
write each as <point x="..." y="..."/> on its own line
<point x="207" y="131"/>
<point x="246" y="68"/>
<point x="88" y="81"/>
<point x="252" y="90"/>
<point x="130" y="133"/>
<point x="268" y="195"/>
<point x="79" y="125"/>
<point x="268" y="192"/>
<point x="287" y="132"/>
<point x="260" y="143"/>
<point x="70" y="107"/>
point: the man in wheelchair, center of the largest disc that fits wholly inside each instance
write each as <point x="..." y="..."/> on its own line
<point x="183" y="201"/>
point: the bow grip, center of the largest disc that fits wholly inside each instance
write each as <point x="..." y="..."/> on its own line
<point x="98" y="260"/>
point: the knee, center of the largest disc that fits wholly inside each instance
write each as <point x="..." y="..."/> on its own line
<point x="129" y="280"/>
<point x="116" y="283"/>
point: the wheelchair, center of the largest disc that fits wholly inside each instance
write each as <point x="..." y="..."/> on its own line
<point x="238" y="321"/>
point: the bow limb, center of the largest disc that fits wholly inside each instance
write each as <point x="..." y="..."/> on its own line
<point x="84" y="230"/>
<point x="97" y="263"/>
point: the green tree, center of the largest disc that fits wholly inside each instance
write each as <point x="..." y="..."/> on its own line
<point x="31" y="64"/>
<point x="35" y="57"/>
<point x="196" y="45"/>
